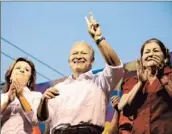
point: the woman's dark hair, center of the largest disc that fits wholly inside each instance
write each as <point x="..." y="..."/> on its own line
<point x="32" y="82"/>
<point x="161" y="45"/>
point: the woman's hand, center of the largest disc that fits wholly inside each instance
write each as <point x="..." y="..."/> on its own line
<point x="115" y="100"/>
<point x="11" y="93"/>
<point x="19" y="86"/>
<point x="142" y="73"/>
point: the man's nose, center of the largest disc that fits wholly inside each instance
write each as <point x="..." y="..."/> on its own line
<point x="79" y="58"/>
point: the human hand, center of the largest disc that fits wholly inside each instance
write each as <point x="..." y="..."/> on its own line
<point x="115" y="100"/>
<point x="19" y="86"/>
<point x="93" y="27"/>
<point x="142" y="73"/>
<point x="50" y="93"/>
<point x="164" y="80"/>
<point x="11" y="93"/>
<point x="159" y="62"/>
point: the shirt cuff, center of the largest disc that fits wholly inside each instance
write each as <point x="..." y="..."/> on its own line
<point x="114" y="67"/>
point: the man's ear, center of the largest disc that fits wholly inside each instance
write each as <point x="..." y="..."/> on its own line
<point x="92" y="61"/>
<point x="69" y="63"/>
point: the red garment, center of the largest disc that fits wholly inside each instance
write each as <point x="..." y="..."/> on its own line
<point x="125" y="124"/>
<point x="123" y="120"/>
<point x="36" y="130"/>
<point x="152" y="106"/>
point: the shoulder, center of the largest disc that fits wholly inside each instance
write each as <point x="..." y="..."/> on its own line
<point x="58" y="81"/>
<point x="4" y="97"/>
<point x="58" y="85"/>
<point x="3" y="94"/>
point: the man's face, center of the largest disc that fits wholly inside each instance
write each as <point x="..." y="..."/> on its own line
<point x="151" y="52"/>
<point x="81" y="58"/>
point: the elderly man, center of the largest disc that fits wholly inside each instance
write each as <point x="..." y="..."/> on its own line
<point x="78" y="105"/>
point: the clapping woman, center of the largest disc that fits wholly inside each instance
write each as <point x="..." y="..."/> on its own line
<point x="19" y="101"/>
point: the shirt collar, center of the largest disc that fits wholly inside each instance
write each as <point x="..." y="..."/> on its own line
<point x="84" y="76"/>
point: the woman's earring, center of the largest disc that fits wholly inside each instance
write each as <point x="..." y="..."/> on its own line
<point x="10" y="80"/>
<point x="28" y="84"/>
<point x="165" y="61"/>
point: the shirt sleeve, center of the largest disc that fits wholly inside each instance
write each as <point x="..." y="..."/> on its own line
<point x="109" y="77"/>
<point x="32" y="116"/>
<point x="4" y="99"/>
<point x="51" y="104"/>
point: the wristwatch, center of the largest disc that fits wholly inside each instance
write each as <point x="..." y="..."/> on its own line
<point x="99" y="40"/>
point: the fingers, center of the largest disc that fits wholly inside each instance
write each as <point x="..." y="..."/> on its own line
<point x="16" y="84"/>
<point x="115" y="101"/>
<point x="137" y="63"/>
<point x="115" y="98"/>
<point x="12" y="91"/>
<point x="138" y="66"/>
<point x="19" y="87"/>
<point x="91" y="17"/>
<point x="158" y="60"/>
<point x="51" y="93"/>
<point x="93" y="21"/>
<point x="115" y="104"/>
<point x="87" y="21"/>
<point x="12" y="87"/>
<point x="141" y="72"/>
<point x="93" y="27"/>
<point x="90" y="26"/>
<point x="54" y="91"/>
<point x="164" y="80"/>
<point x="11" y="94"/>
